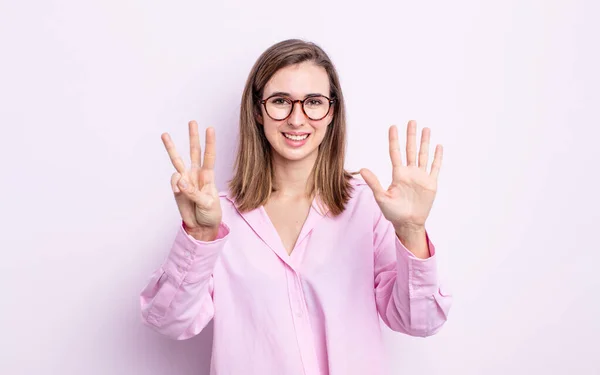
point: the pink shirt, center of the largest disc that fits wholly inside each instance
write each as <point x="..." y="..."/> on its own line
<point x="315" y="311"/>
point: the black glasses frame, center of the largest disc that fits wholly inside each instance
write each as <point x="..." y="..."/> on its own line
<point x="329" y="101"/>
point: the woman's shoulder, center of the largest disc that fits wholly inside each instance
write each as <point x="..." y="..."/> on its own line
<point x="226" y="198"/>
<point x="360" y="188"/>
<point x="361" y="197"/>
<point x="357" y="182"/>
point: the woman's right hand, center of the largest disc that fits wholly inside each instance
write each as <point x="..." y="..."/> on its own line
<point x="195" y="191"/>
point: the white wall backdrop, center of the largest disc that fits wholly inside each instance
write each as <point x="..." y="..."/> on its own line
<point x="510" y="88"/>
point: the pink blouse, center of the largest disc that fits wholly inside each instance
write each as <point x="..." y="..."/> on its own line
<point x="315" y="311"/>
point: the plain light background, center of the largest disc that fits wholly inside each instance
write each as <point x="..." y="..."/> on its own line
<point x="510" y="88"/>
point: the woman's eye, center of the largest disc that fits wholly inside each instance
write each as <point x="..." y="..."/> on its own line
<point x="278" y="101"/>
<point x="314" y="102"/>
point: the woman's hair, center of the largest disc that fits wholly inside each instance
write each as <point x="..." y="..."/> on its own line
<point x="252" y="183"/>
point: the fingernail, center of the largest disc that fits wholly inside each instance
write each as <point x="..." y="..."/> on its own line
<point x="183" y="183"/>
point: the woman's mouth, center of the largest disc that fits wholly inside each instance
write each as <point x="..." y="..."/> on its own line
<point x="296" y="139"/>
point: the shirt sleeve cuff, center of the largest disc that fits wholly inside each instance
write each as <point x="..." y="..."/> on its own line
<point x="422" y="273"/>
<point x="191" y="259"/>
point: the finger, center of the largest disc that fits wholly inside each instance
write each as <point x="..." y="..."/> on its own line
<point x="411" y="143"/>
<point x="185" y="185"/>
<point x="174" y="181"/>
<point x="437" y="161"/>
<point x="175" y="158"/>
<point x="205" y="198"/>
<point x="424" y="149"/>
<point x="188" y="188"/>
<point x="199" y="197"/>
<point x="395" y="154"/>
<point x="195" y="150"/>
<point x="209" y="150"/>
<point x="373" y="182"/>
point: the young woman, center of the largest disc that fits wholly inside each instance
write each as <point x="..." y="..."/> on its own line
<point x="298" y="259"/>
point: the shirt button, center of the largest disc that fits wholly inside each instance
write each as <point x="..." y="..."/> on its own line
<point x="188" y="254"/>
<point x="417" y="273"/>
<point x="179" y="268"/>
<point x="299" y="314"/>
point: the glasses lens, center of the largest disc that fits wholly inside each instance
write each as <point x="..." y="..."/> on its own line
<point x="278" y="107"/>
<point x="316" y="107"/>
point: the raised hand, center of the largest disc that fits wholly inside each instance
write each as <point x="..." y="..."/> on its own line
<point x="408" y="200"/>
<point x="195" y="191"/>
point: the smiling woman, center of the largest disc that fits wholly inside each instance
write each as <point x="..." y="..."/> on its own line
<point x="297" y="261"/>
<point x="294" y="90"/>
<point x="301" y="80"/>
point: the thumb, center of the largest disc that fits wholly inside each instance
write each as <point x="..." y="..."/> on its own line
<point x="372" y="181"/>
<point x="191" y="191"/>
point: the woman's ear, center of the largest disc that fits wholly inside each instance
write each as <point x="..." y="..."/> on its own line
<point x="330" y="115"/>
<point x="258" y="117"/>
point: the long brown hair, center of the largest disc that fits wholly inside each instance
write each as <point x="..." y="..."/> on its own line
<point x="252" y="182"/>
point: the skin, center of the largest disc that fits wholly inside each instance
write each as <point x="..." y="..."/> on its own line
<point x="289" y="204"/>
<point x="406" y="203"/>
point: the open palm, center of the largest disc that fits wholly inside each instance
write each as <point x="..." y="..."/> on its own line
<point x="409" y="198"/>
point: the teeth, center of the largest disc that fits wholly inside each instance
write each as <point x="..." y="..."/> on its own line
<point x="296" y="137"/>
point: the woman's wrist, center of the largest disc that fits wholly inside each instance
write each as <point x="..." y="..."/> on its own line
<point x="205" y="234"/>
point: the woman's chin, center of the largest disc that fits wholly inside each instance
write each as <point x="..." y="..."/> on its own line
<point x="294" y="155"/>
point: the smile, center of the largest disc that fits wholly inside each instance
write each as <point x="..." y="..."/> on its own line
<point x="295" y="137"/>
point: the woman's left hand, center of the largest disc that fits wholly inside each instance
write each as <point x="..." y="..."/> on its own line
<point x="408" y="200"/>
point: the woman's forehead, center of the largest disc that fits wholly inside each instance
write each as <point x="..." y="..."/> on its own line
<point x="299" y="80"/>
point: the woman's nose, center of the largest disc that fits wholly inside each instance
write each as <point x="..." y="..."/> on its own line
<point x="297" y="117"/>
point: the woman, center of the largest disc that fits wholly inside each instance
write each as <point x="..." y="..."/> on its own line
<point x="298" y="259"/>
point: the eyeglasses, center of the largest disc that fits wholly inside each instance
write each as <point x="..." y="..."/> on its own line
<point x="280" y="107"/>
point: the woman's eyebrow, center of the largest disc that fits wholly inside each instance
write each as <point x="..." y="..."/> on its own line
<point x="281" y="93"/>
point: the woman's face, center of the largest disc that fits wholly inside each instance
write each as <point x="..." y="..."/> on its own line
<point x="296" y="137"/>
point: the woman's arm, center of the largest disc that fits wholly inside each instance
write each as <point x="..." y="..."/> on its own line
<point x="409" y="296"/>
<point x="177" y="301"/>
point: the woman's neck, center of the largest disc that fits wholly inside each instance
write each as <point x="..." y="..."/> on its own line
<point x="291" y="177"/>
